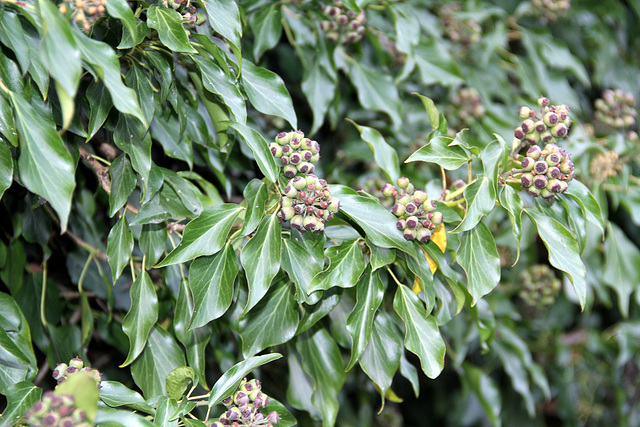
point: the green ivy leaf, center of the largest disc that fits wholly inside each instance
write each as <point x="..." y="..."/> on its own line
<point x="141" y="317"/>
<point x="121" y="10"/>
<point x="321" y="359"/>
<point x="20" y="398"/>
<point x="152" y="241"/>
<point x="260" y="259"/>
<point x="172" y="34"/>
<point x="6" y="168"/>
<point x="302" y="260"/>
<point x="272" y="321"/>
<point x="178" y="382"/>
<point x="7" y="125"/>
<point x="13" y="36"/>
<point x="132" y="137"/>
<point x="224" y="17"/>
<point x="478" y="256"/>
<point x="45" y="165"/>
<point x="123" y="182"/>
<point x="167" y="408"/>
<point x="439" y="151"/>
<point x="256" y="194"/>
<point x="563" y="251"/>
<point x="486" y="390"/>
<point x="230" y="380"/>
<point x="116" y="394"/>
<point x="175" y="143"/>
<point x="346" y="265"/>
<point x="267" y="93"/>
<point x="212" y="279"/>
<point x="100" y="104"/>
<point x="119" y="247"/>
<point x="205" y="235"/>
<point x="370" y="291"/>
<point x="266" y="25"/>
<point x="385" y="156"/>
<point x="587" y="202"/>
<point x="481" y="199"/>
<point x="319" y="86"/>
<point x="379" y="257"/>
<point x="260" y="149"/>
<point x="119" y="417"/>
<point x="161" y="355"/>
<point x="512" y="203"/>
<point x="432" y="110"/>
<point x="621" y="261"/>
<point x="436" y="65"/>
<point x="421" y="332"/>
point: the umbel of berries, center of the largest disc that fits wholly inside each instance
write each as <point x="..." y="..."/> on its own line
<point x="540" y="286"/>
<point x="550" y="124"/>
<point x="468" y="105"/>
<point x="551" y="9"/>
<point x="295" y="153"/>
<point x="616" y="109"/>
<point x="341" y="24"/>
<point x="63" y="371"/>
<point x="417" y="215"/>
<point x="546" y="171"/>
<point x="466" y="31"/>
<point x="55" y="411"/>
<point x="307" y="204"/>
<point x="243" y="407"/>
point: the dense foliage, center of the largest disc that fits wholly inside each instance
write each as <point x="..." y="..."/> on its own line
<point x="296" y="212"/>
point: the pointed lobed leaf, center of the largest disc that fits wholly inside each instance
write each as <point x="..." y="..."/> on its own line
<point x="438" y="151"/>
<point x="260" y="149"/>
<point x="20" y="398"/>
<point x="385" y="156"/>
<point x="260" y="259"/>
<point x="256" y="194"/>
<point x="481" y="199"/>
<point x="621" y="261"/>
<point x="421" y="332"/>
<point x="45" y="165"/>
<point x="141" y="317"/>
<point x="172" y="34"/>
<point x="478" y="256"/>
<point x="119" y="247"/>
<point x="212" y="279"/>
<point x="346" y="264"/>
<point x="563" y="251"/>
<point x="205" y="235"/>
<point x="302" y="262"/>
<point x="369" y="293"/>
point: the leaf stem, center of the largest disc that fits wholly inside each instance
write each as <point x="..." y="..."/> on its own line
<point x="84" y="272"/>
<point x="43" y="295"/>
<point x="393" y="276"/>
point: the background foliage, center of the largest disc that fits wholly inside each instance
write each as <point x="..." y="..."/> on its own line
<point x="139" y="202"/>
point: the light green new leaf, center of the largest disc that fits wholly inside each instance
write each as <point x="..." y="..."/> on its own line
<point x="119" y="247"/>
<point x="321" y="359"/>
<point x="20" y="398"/>
<point x="267" y="93"/>
<point x="172" y="34"/>
<point x="161" y="355"/>
<point x="369" y="293"/>
<point x="421" y="332"/>
<point x="256" y="194"/>
<point x="479" y="258"/>
<point x="205" y="235"/>
<point x="260" y="149"/>
<point x="621" y="261"/>
<point x="385" y="156"/>
<point x="230" y="380"/>
<point x="346" y="264"/>
<point x="45" y="165"/>
<point x="212" y="279"/>
<point x="123" y="182"/>
<point x="59" y="50"/>
<point x="481" y="199"/>
<point x="563" y="251"/>
<point x="260" y="259"/>
<point x="141" y="317"/>
<point x="6" y="168"/>
<point x="438" y="151"/>
<point x="272" y="321"/>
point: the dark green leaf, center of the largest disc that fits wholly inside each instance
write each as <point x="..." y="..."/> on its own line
<point x="370" y="291"/>
<point x="6" y="168"/>
<point x="230" y="380"/>
<point x="379" y="257"/>
<point x="385" y="156"/>
<point x="267" y="93"/>
<point x="99" y="102"/>
<point x="479" y="258"/>
<point x="563" y="251"/>
<point x="12" y="35"/>
<point x="260" y="149"/>
<point x="421" y="332"/>
<point x="346" y="264"/>
<point x="512" y="203"/>
<point x="45" y="166"/>
<point x="7" y="125"/>
<point x="141" y="317"/>
<point x="224" y="17"/>
<point x="256" y="194"/>
<point x="120" y="9"/>
<point x="302" y="262"/>
<point x="267" y="28"/>
<point x="212" y="279"/>
<point x="589" y="205"/>
<point x="205" y="235"/>
<point x="108" y="417"/>
<point x="486" y="391"/>
<point x="187" y="192"/>
<point x="20" y="397"/>
<point x="319" y="305"/>
<point x="119" y="247"/>
<point x="175" y="144"/>
<point x="272" y="321"/>
<point x="116" y="394"/>
<point x="163" y="205"/>
<point x="481" y="199"/>
<point x="260" y="259"/>
<point x="131" y="137"/>
<point x="432" y="110"/>
<point x="123" y="182"/>
<point x="140" y="83"/>
<point x="438" y="151"/>
<point x="172" y="34"/>
<point x="161" y="355"/>
<point x="621" y="261"/>
<point x="319" y="87"/>
<point x="152" y="242"/>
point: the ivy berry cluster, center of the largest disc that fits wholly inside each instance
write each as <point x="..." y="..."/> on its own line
<point x="307" y="204"/>
<point x="243" y="408"/>
<point x="343" y="24"/>
<point x="190" y="14"/>
<point x="547" y="171"/>
<point x="295" y="153"/>
<point x="84" y="12"/>
<point x="466" y="31"/>
<point x="551" y="9"/>
<point x="540" y="286"/>
<point x="616" y="109"/>
<point x="55" y="411"/>
<point x="417" y="215"/>
<point x="550" y="124"/>
<point x="468" y="105"/>
<point x="63" y="371"/>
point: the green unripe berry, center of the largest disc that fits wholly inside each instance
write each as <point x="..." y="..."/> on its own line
<point x="419" y="197"/>
<point x="284" y="138"/>
<point x="525" y="112"/>
<point x="559" y="130"/>
<point x="436" y="218"/>
<point x="290" y="171"/>
<point x="429" y="205"/>
<point x="398" y="209"/>
<point x="276" y="150"/>
<point x="334" y="205"/>
<point x="526" y="179"/>
<point x="412" y="222"/>
<point x="410" y="234"/>
<point x="423" y="235"/>
<point x="551" y="119"/>
<point x="534" y="152"/>
<point x="286" y="213"/>
<point x="527" y="163"/>
<point x="540" y="167"/>
<point x="389" y="190"/>
<point x="403" y="182"/>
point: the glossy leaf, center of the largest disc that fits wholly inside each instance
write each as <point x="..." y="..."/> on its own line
<point x="621" y="261"/>
<point x="229" y="381"/>
<point x="379" y="257"/>
<point x="224" y="17"/>
<point x="346" y="265"/>
<point x="319" y="87"/>
<point x="563" y="251"/>
<point x="119" y="417"/>
<point x="302" y="260"/>
<point x="132" y="137"/>
<point x="212" y="279"/>
<point x="6" y="168"/>
<point x="123" y="182"/>
<point x="121" y="10"/>
<point x="481" y="199"/>
<point x="100" y="104"/>
<point x="267" y="93"/>
<point x="385" y="156"/>
<point x="587" y="202"/>
<point x="272" y="321"/>
<point x="512" y="203"/>
<point x="438" y="151"/>
<point x="205" y="235"/>
<point x="486" y="391"/>
<point x="370" y="291"/>
<point x="267" y="28"/>
<point x="20" y="398"/>
<point x="256" y="194"/>
<point x="260" y="149"/>
<point x="479" y="258"/>
<point x="141" y="317"/>
<point x="260" y="259"/>
<point x="116" y="394"/>
<point x="172" y="34"/>
<point x="175" y="143"/>
<point x="45" y="165"/>
<point x="421" y="332"/>
<point x="119" y="247"/>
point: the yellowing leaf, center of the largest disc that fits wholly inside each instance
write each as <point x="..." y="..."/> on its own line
<point x="439" y="237"/>
<point x="416" y="283"/>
